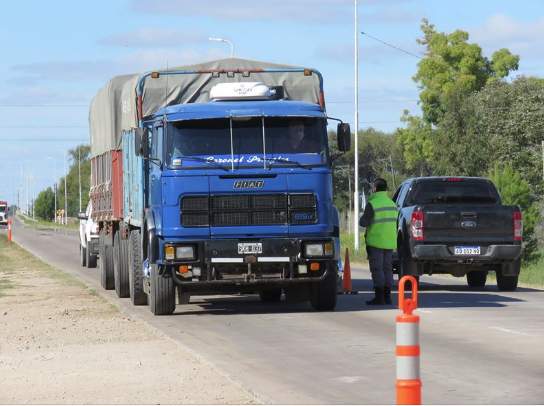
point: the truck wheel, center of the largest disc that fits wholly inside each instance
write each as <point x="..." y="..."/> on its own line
<point x="120" y="268"/>
<point x="106" y="267"/>
<point x="476" y="279"/>
<point x="507" y="276"/>
<point x="162" y="293"/>
<point x="82" y="255"/>
<point x="135" y="272"/>
<point x="323" y="295"/>
<point x="270" y="295"/>
<point x="91" y="259"/>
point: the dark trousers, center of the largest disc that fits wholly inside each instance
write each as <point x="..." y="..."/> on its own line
<point x="381" y="267"/>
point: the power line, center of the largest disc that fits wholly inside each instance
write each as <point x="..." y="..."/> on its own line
<point x="43" y="105"/>
<point x="392" y="46"/>
<point x="40" y="127"/>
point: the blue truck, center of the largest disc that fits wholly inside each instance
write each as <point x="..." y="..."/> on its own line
<point x="215" y="179"/>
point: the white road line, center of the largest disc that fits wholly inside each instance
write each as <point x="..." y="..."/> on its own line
<point x="349" y="379"/>
<point x="506" y="330"/>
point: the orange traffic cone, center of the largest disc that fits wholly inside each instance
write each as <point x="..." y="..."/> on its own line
<point x="346" y="279"/>
<point x="9" y="230"/>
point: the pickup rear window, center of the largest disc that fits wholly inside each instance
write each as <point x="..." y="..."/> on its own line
<point x="457" y="191"/>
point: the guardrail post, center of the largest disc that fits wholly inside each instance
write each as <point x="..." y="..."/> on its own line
<point x="407" y="351"/>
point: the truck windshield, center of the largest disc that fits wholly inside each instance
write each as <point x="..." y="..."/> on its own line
<point x="254" y="140"/>
<point x="443" y="191"/>
<point x="3" y="209"/>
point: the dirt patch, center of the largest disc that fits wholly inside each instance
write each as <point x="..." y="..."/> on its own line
<point x="61" y="343"/>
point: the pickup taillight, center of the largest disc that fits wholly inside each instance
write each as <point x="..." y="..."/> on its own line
<point x="518" y="225"/>
<point x="416" y="224"/>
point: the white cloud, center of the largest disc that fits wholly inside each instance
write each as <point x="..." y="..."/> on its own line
<point x="153" y="38"/>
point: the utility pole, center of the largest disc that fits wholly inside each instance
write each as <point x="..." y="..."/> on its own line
<point x="55" y="188"/>
<point x="65" y="193"/>
<point x="356" y="125"/>
<point x="392" y="172"/>
<point x="79" y="174"/>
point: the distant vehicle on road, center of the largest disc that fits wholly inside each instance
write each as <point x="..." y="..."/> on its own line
<point x="3" y="213"/>
<point x="458" y="226"/>
<point x="88" y="238"/>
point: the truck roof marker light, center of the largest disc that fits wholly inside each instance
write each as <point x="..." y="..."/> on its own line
<point x="155" y="75"/>
<point x="416" y="224"/>
<point x="517" y="220"/>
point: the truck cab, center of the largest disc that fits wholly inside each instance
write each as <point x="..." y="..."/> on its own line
<point x="3" y="213"/>
<point x="238" y="198"/>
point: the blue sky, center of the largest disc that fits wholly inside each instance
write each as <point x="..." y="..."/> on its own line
<point x="57" y="54"/>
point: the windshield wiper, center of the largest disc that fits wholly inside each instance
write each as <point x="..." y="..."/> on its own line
<point x="199" y="159"/>
<point x="272" y="161"/>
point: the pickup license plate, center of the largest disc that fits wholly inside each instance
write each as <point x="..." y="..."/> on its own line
<point x="250" y="248"/>
<point x="467" y="251"/>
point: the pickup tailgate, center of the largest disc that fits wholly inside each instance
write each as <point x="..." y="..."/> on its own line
<point x="467" y="224"/>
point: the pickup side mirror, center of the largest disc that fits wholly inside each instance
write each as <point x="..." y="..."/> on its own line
<point x="141" y="142"/>
<point x="344" y="137"/>
<point x="82" y="216"/>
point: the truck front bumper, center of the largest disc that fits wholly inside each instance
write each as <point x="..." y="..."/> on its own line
<point x="281" y="263"/>
<point x="445" y="253"/>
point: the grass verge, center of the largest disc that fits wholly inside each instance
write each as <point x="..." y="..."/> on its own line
<point x="533" y="274"/>
<point x="346" y="241"/>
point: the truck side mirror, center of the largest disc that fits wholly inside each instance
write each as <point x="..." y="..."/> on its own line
<point x="82" y="216"/>
<point x="141" y="142"/>
<point x="344" y="137"/>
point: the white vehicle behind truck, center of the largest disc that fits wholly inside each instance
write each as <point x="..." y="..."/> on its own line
<point x="3" y="213"/>
<point x="88" y="238"/>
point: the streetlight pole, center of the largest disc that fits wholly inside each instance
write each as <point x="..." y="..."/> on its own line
<point x="356" y="125"/>
<point x="65" y="193"/>
<point x="226" y="41"/>
<point x="79" y="174"/>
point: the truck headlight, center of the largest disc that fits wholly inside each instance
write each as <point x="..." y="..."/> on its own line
<point x="322" y="249"/>
<point x="185" y="252"/>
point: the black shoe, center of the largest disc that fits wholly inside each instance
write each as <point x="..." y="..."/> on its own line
<point x="378" y="299"/>
<point x="387" y="295"/>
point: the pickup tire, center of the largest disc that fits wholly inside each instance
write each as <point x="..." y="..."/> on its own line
<point x="323" y="294"/>
<point x="407" y="266"/>
<point x="476" y="279"/>
<point x="270" y="295"/>
<point x="82" y="255"/>
<point x="106" y="267"/>
<point x="120" y="268"/>
<point x="91" y="259"/>
<point x="507" y="276"/>
<point x="135" y="272"/>
<point x="162" y="292"/>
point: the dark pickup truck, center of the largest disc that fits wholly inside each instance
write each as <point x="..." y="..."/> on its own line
<point x="457" y="226"/>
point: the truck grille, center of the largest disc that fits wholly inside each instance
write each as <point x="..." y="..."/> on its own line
<point x="247" y="210"/>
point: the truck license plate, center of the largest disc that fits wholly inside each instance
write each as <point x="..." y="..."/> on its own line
<point x="467" y="250"/>
<point x="250" y="248"/>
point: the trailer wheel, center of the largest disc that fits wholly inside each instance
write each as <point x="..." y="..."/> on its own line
<point x="162" y="292"/>
<point x="476" y="279"/>
<point x="120" y="267"/>
<point x="270" y="295"/>
<point x="323" y="295"/>
<point x="106" y="267"/>
<point x="135" y="273"/>
<point x="82" y="255"/>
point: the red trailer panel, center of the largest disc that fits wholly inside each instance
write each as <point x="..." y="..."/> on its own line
<point x="117" y="184"/>
<point x="107" y="186"/>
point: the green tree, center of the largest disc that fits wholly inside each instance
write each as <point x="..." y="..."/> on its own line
<point x="515" y="190"/>
<point x="452" y="63"/>
<point x="44" y="205"/>
<point x="416" y="144"/>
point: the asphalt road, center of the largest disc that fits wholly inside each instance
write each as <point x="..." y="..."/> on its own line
<point x="477" y="346"/>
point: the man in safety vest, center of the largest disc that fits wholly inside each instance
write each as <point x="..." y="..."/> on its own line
<point x="380" y="220"/>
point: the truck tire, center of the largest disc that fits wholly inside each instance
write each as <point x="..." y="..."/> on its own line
<point x="91" y="259"/>
<point x="323" y="295"/>
<point x="507" y="276"/>
<point x="270" y="295"/>
<point x="476" y="279"/>
<point x="106" y="267"/>
<point x="135" y="272"/>
<point x="82" y="255"/>
<point x="120" y="268"/>
<point x="162" y="293"/>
